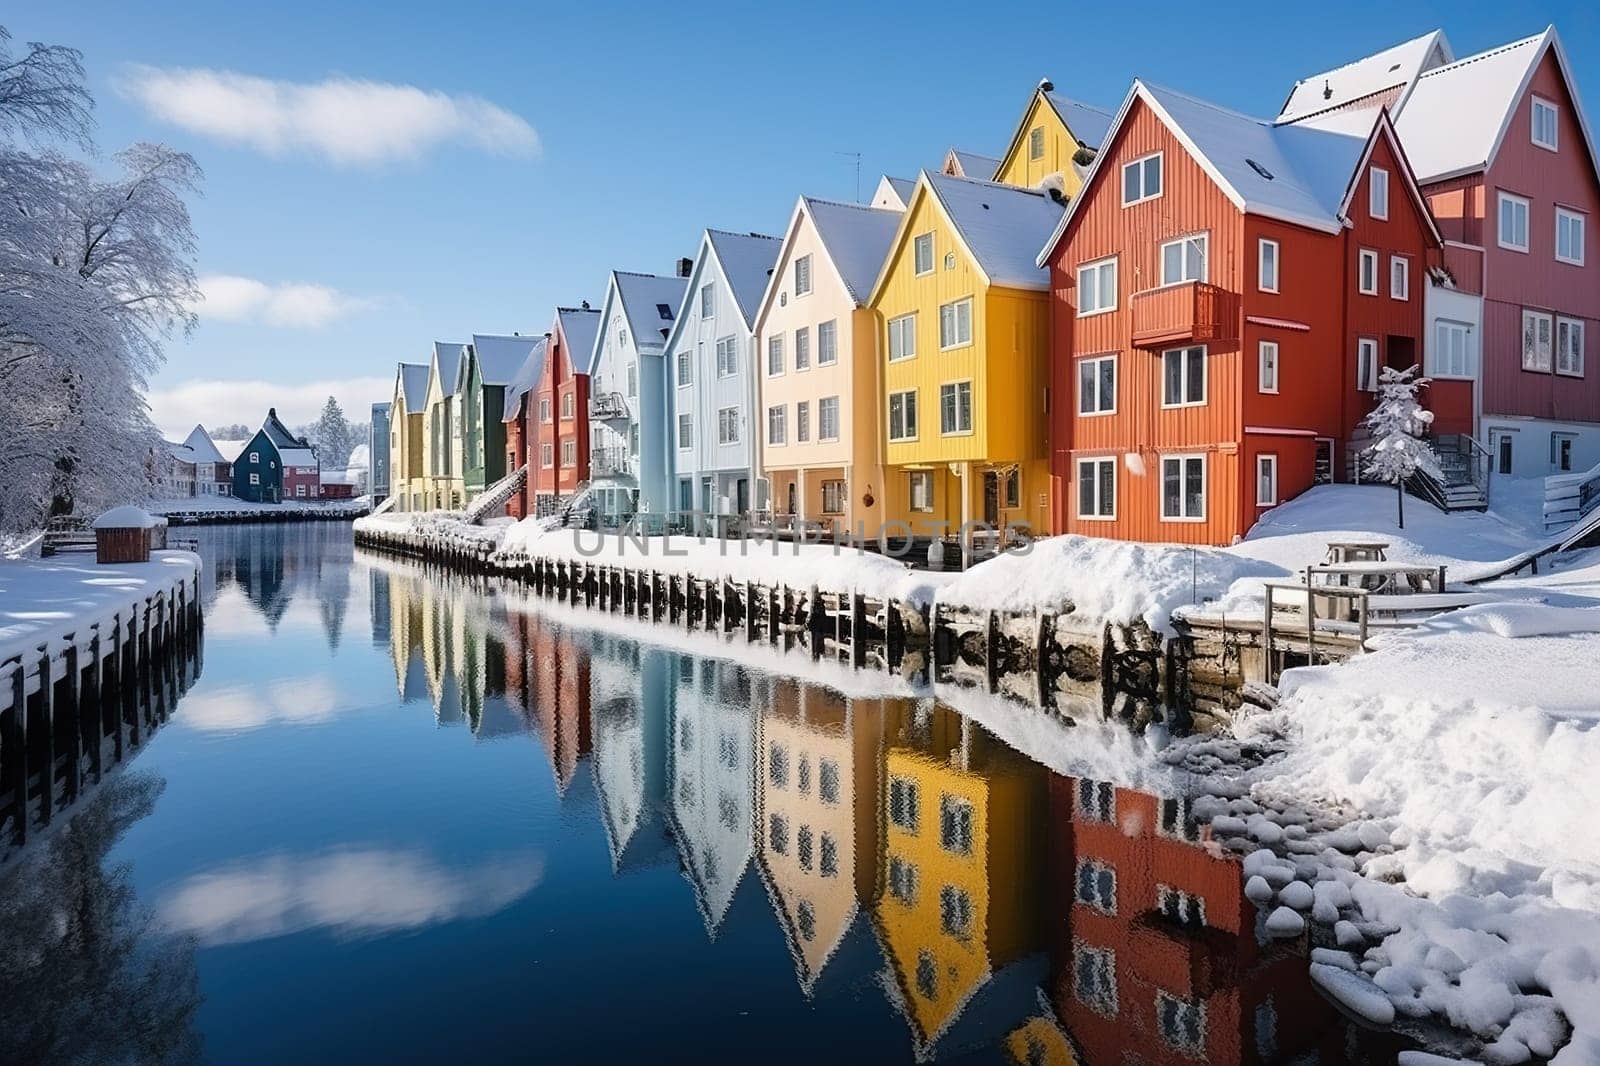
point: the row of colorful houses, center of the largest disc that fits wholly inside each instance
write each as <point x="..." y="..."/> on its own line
<point x="1154" y="323"/>
<point x="273" y="466"/>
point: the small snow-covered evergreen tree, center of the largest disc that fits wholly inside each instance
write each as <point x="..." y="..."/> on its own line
<point x="1398" y="424"/>
<point x="331" y="436"/>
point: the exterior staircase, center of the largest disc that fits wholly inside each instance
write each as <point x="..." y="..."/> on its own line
<point x="495" y="496"/>
<point x="1463" y="484"/>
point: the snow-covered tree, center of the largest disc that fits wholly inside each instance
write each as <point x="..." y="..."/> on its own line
<point x="331" y="436"/>
<point x="1399" y="423"/>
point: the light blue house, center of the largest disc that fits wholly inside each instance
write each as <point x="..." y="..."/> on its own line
<point x="711" y="358"/>
<point x="629" y="460"/>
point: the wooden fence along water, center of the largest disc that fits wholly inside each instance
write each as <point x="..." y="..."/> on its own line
<point x="76" y="708"/>
<point x="1056" y="660"/>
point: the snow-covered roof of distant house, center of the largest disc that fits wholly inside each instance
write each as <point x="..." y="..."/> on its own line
<point x="1088" y="123"/>
<point x="298" y="456"/>
<point x="856" y="238"/>
<point x="360" y="458"/>
<point x="181" y="452"/>
<point x="972" y="164"/>
<point x="1379" y="79"/>
<point x="337" y="477"/>
<point x="1458" y="114"/>
<point x="128" y="517"/>
<point x="414" y="385"/>
<point x="1001" y="225"/>
<point x="280" y="434"/>
<point x="526" y="377"/>
<point x="747" y="260"/>
<point x="579" y="325"/>
<point x="199" y="443"/>
<point x="893" y="193"/>
<point x="230" y="449"/>
<point x="448" y="354"/>
<point x="650" y="302"/>
<point x="501" y="356"/>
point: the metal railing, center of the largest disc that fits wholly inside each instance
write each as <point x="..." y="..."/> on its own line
<point x="609" y="406"/>
<point x="1568" y="497"/>
<point x="610" y="461"/>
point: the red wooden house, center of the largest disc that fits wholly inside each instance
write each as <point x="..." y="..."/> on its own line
<point x="1217" y="288"/>
<point x="561" y="410"/>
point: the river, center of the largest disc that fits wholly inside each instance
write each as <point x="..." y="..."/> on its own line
<point x="406" y="817"/>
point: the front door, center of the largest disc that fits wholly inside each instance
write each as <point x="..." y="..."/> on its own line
<point x="1402" y="353"/>
<point x="742" y="496"/>
<point x="991" y="498"/>
<point x="793" y="498"/>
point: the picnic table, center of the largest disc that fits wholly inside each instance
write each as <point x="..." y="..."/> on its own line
<point x="1378" y="576"/>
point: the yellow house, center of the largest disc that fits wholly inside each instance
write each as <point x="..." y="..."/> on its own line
<point x="1056" y="135"/>
<point x="445" y="488"/>
<point x="964" y="357"/>
<point x="963" y="164"/>
<point x="407" y="409"/>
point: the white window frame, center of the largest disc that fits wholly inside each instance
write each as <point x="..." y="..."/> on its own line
<point x="730" y="345"/>
<point x="905" y="423"/>
<point x="1549" y="360"/>
<point x="918" y="243"/>
<point x="954" y="307"/>
<point x="547" y="454"/>
<point x="1578" y="221"/>
<point x="1268" y="365"/>
<point x="1095" y="462"/>
<point x="569" y="453"/>
<point x="1367" y="364"/>
<point x="777" y="425"/>
<point x="544" y="410"/>
<point x="1570" y="326"/>
<point x="959" y="431"/>
<point x="727" y="425"/>
<point x="569" y="406"/>
<point x="775" y="357"/>
<point x="255" y="457"/>
<point x="1098" y="409"/>
<point x="1263" y="282"/>
<point x="255" y="479"/>
<point x="685" y="368"/>
<point x="1267" y="466"/>
<point x="914" y="478"/>
<point x="802" y="422"/>
<point x="1204" y="242"/>
<point x="1035" y="143"/>
<point x="1378" y="194"/>
<point x="840" y="496"/>
<point x="708" y="300"/>
<point x="822" y="419"/>
<point x="1183" y="376"/>
<point x="1554" y="143"/>
<point x="802" y="344"/>
<point x="685" y="432"/>
<point x="1144" y="193"/>
<point x="1183" y="475"/>
<point x="1367" y="257"/>
<point x="1399" y="279"/>
<point x="906" y="325"/>
<point x="1511" y="199"/>
<point x="1437" y="367"/>
<point x="1095" y="270"/>
<point x="828" y="342"/>
<point x="802" y="275"/>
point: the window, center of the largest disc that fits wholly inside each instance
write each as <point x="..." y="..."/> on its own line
<point x="802" y="421"/>
<point x="622" y="336"/>
<point x="664" y="311"/>
<point x="1452" y="352"/>
<point x="1097" y="801"/>
<point x="955" y="324"/>
<point x="775" y="355"/>
<point x="955" y="912"/>
<point x="802" y="275"/>
<point x="1399" y="278"/>
<point x="955" y="407"/>
<point x="544" y="408"/>
<point x="833" y="497"/>
<point x="1367" y="364"/>
<point x="903" y="802"/>
<point x="802" y="348"/>
<point x="728" y="425"/>
<point x="1267" y="265"/>
<point x="1097" y="385"/>
<point x="1513" y="223"/>
<point x="633" y="379"/>
<point x="255" y="479"/>
<point x="828" y="343"/>
<point x="1097" y="488"/>
<point x="708" y="301"/>
<point x="902" y="337"/>
<point x="920" y="489"/>
<point x="803" y="847"/>
<point x="633" y="439"/>
<point x="1183" y="488"/>
<point x="777" y="425"/>
<point x="902" y="880"/>
<point x="1504" y="451"/>
<point x="685" y="369"/>
<point x="1569" y="236"/>
<point x="1266" y="481"/>
<point x="547" y="455"/>
<point x="1182" y="1024"/>
<point x="727" y="357"/>
<point x="1378" y="193"/>
<point x="949" y="260"/>
<point x="255" y="457"/>
<point x="1184" y="260"/>
<point x="1367" y="273"/>
<point x="922" y="253"/>
<point x="569" y="453"/>
<point x="805" y="917"/>
<point x="828" y="782"/>
<point x="829" y="865"/>
<point x="1569" y="346"/>
<point x="1097" y="885"/>
<point x="1011" y="494"/>
<point x="1094" y="981"/>
<point x="1561" y="451"/>
<point x="828" y="418"/>
<point x="1183" y="376"/>
<point x="778" y="834"/>
<point x="1141" y="179"/>
<point x="903" y="415"/>
<point x="1036" y="143"/>
<point x="685" y="431"/>
<point x="1536" y="330"/>
<point x="927" y="975"/>
<point x="569" y="405"/>
<point x="955" y="825"/>
<point x="1267" y="366"/>
<point x="1544" y="124"/>
<point x="1097" y="287"/>
<point x="778" y="765"/>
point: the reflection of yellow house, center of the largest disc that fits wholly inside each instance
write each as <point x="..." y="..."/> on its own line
<point x="817" y="815"/>
<point x="405" y="636"/>
<point x="1056" y="136"/>
<point x="1040" y="1041"/>
<point x="959" y="898"/>
<point x="964" y="356"/>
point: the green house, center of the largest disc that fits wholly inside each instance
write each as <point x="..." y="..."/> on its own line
<point x="491" y="363"/>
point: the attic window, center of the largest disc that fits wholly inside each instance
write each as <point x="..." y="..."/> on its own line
<point x="1259" y="169"/>
<point x="665" y="311"/>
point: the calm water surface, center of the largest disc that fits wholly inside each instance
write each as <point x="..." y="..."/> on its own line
<point x="401" y="818"/>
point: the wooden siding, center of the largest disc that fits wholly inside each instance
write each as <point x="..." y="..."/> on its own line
<point x="1059" y="147"/>
<point x="556" y="382"/>
<point x="1457" y="206"/>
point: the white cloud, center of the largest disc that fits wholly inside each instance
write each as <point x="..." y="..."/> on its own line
<point x="295" y="701"/>
<point x="348" y="121"/>
<point x="293" y="304"/>
<point x="175" y="410"/>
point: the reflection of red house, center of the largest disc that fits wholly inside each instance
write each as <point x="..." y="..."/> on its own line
<point x="547" y="675"/>
<point x="560" y="406"/>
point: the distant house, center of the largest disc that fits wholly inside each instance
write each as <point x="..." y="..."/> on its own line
<point x="213" y="475"/>
<point x="407" y="429"/>
<point x="444" y="488"/>
<point x="275" y="465"/>
<point x="172" y="467"/>
<point x="378" y="453"/>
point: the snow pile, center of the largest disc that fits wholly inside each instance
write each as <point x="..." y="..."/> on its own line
<point x="232" y="506"/>
<point x="41" y="599"/>
<point x="128" y="517"/>
<point x="433" y="530"/>
<point x="1517" y="620"/>
<point x="1115" y="580"/>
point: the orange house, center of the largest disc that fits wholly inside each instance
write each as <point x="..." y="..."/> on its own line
<point x="1211" y="287"/>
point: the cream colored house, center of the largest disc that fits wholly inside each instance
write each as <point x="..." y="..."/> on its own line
<point x="444" y="487"/>
<point x="817" y="369"/>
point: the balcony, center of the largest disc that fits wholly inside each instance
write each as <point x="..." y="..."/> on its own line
<point x="610" y="462"/>
<point x="608" y="407"/>
<point x="1192" y="311"/>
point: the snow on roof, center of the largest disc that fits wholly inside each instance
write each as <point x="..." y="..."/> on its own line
<point x="278" y="433"/>
<point x="1002" y="226"/>
<point x="201" y="446"/>
<point x="448" y="354"/>
<point x="298" y="456"/>
<point x="579" y="325"/>
<point x="414" y="385"/>
<point x="526" y="377"/>
<point x="643" y="296"/>
<point x="894" y="193"/>
<point x="500" y="356"/>
<point x="856" y="239"/>
<point x="360" y="458"/>
<point x="971" y="164"/>
<point x="181" y="452"/>
<point x="1089" y="124"/>
<point x="230" y="449"/>
<point x="128" y="517"/>
<point x="747" y="260"/>
<point x="1392" y="68"/>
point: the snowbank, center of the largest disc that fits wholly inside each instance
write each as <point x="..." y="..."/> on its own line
<point x="234" y="505"/>
<point x="42" y="599"/>
<point x="128" y="517"/>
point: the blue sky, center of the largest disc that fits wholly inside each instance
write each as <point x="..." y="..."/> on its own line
<point x="651" y="123"/>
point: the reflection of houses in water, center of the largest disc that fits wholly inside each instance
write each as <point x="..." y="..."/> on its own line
<point x="405" y="633"/>
<point x="958" y="907"/>
<point x="817" y="760"/>
<point x="710" y="766"/>
<point x="273" y="564"/>
<point x="630" y="748"/>
<point x="547" y="673"/>
<point x="378" y="604"/>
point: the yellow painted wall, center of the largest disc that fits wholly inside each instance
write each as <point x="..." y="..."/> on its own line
<point x="1059" y="146"/>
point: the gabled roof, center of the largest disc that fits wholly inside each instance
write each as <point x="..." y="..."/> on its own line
<point x="413" y="385"/>
<point x="1087" y="123"/>
<point x="969" y="164"/>
<point x="999" y="225"/>
<point x="448" y="355"/>
<point x="202" y="447"/>
<point x="500" y="357"/>
<point x="526" y="377"/>
<point x="894" y="193"/>
<point x="279" y="433"/>
<point x="1384" y="78"/>
<point x="855" y="240"/>
<point x="298" y="456"/>
<point x="651" y="303"/>
<point x="579" y="326"/>
<point x="181" y="452"/>
<point x="747" y="260"/>
<point x="1458" y="114"/>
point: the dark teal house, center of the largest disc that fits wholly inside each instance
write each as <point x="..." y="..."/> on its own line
<point x="490" y="364"/>
<point x="275" y="465"/>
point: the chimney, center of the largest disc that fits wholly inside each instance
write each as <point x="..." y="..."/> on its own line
<point x="685" y="266"/>
<point x="586" y="305"/>
<point x="1046" y="85"/>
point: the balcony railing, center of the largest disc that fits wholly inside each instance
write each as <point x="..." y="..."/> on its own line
<point x="608" y="406"/>
<point x="610" y="462"/>
<point x="1193" y="311"/>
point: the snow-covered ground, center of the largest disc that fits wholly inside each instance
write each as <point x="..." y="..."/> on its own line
<point x="233" y="505"/>
<point x="41" y="599"/>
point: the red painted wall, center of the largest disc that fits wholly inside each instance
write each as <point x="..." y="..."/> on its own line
<point x="516" y="437"/>
<point x="557" y="382"/>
